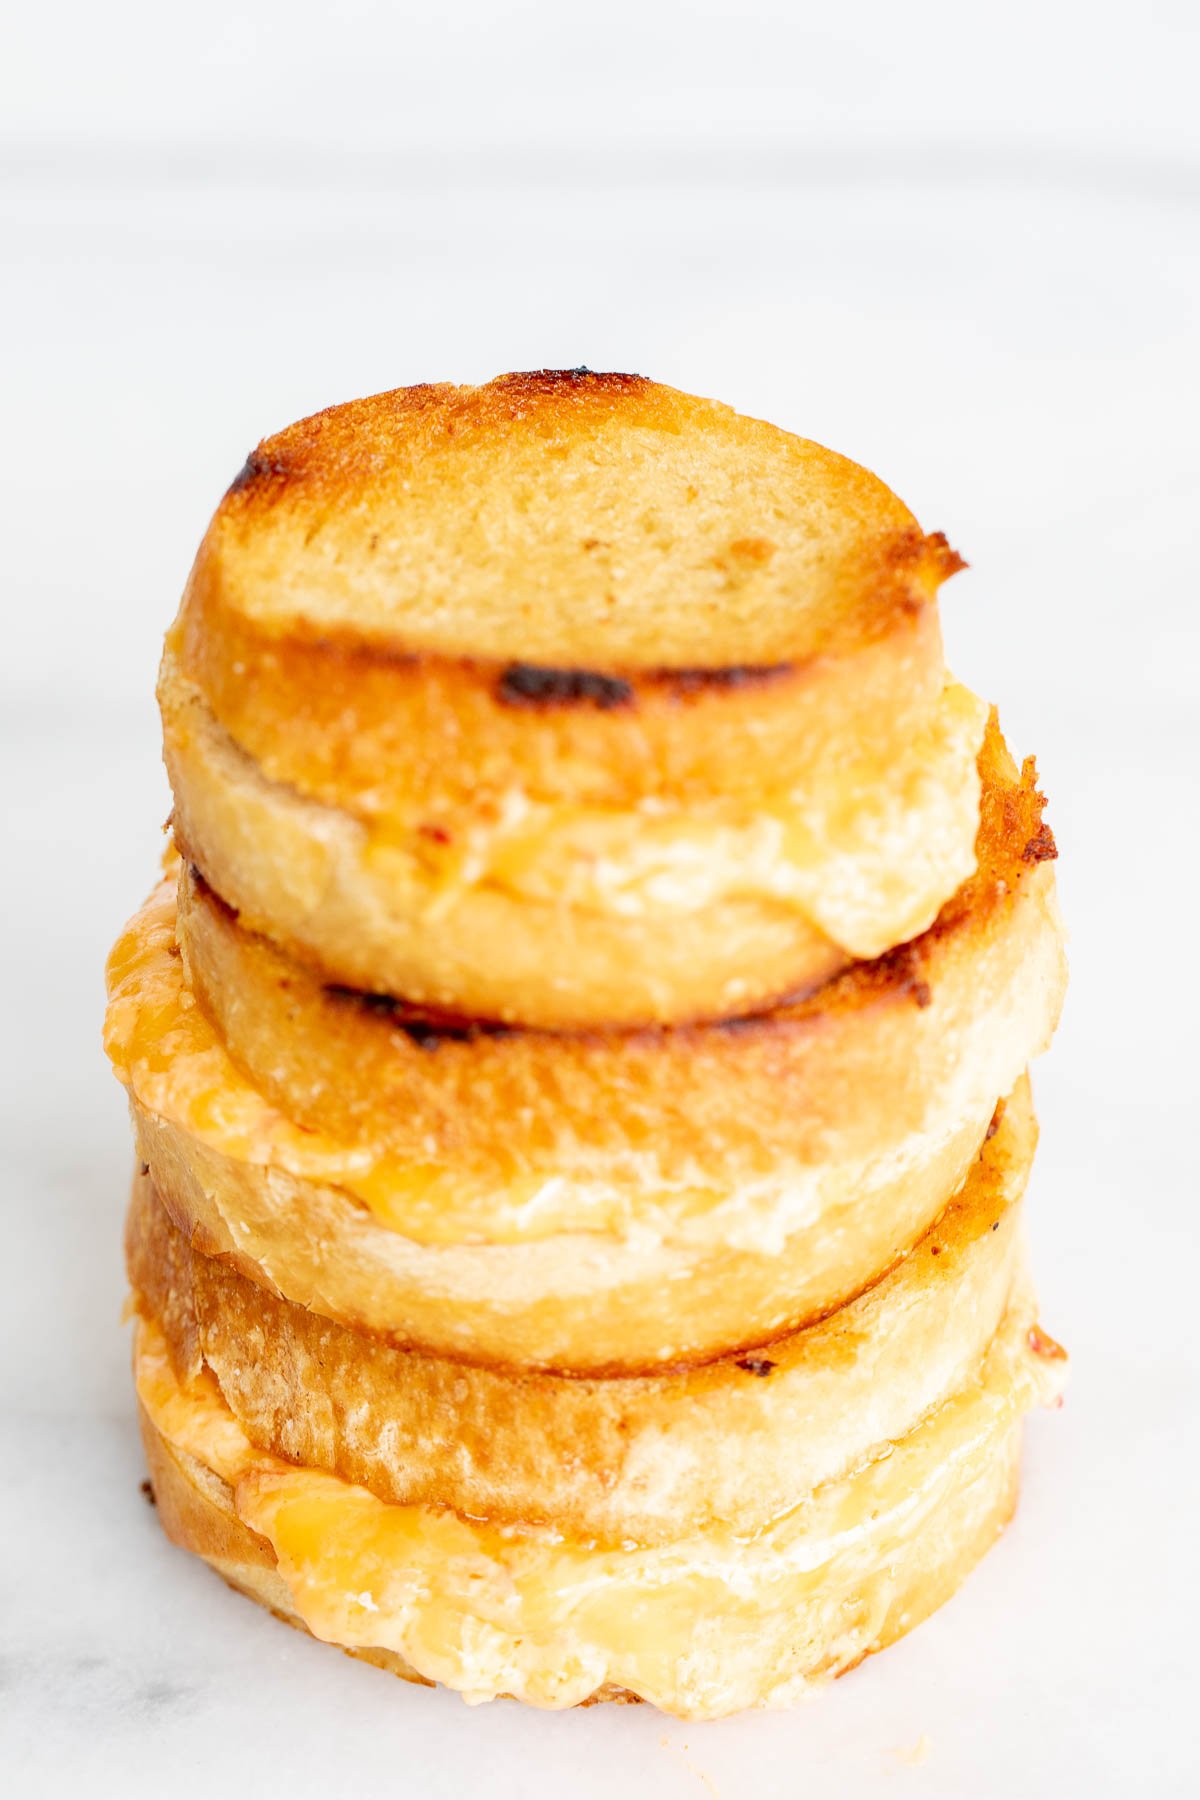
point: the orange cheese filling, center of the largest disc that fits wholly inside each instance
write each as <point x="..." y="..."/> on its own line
<point x="865" y="855"/>
<point x="700" y="1626"/>
<point x="166" y="1050"/>
<point x="868" y="861"/>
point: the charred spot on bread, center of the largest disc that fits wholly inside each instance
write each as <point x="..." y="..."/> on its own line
<point x="533" y="684"/>
<point x="203" y="885"/>
<point x="427" y="1036"/>
<point x="756" y="1365"/>
<point x="738" y="675"/>
<point x="745" y="1024"/>
<point x="549" y="381"/>
<point x="1041" y="846"/>
<point x="257" y="470"/>
<point x="907" y="968"/>
<point x="943" y="556"/>
<point x="426" y="1030"/>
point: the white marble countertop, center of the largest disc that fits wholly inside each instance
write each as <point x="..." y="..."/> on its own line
<point x="974" y="264"/>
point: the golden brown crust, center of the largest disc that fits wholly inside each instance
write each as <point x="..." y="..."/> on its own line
<point x="659" y="1197"/>
<point x="563" y="518"/>
<point x="563" y="589"/>
<point x="643" y="1458"/>
<point x="578" y="666"/>
<point x="354" y="727"/>
<point x="577" y="1303"/>
<point x="311" y="883"/>
<point x="628" y="1355"/>
<point x="752" y="1092"/>
<point x="557" y="916"/>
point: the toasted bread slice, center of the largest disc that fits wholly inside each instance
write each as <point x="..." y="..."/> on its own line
<point x="646" y="1457"/>
<point x="708" y="1623"/>
<point x="600" y="1202"/>
<point x="569" y="519"/>
<point x="664" y="1108"/>
<point x="197" y="1511"/>
<point x="561" y="917"/>
<point x="568" y="700"/>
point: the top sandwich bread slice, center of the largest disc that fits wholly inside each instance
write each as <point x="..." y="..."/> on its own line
<point x="652" y="693"/>
<point x="601" y="522"/>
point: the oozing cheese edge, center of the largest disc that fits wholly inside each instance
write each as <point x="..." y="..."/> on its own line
<point x="868" y="860"/>
<point x="701" y="1626"/>
<point x="165" y="1048"/>
<point x="866" y="857"/>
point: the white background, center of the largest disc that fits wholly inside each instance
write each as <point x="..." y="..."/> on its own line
<point x="961" y="244"/>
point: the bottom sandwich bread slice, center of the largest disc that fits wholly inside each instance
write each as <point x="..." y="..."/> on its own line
<point x="704" y="1597"/>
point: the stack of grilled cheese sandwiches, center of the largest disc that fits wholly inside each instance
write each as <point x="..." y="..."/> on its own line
<point x="577" y="1053"/>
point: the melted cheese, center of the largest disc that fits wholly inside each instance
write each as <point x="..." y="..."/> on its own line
<point x="868" y="859"/>
<point x="165" y="1048"/>
<point x="167" y="1051"/>
<point x="709" y="1623"/>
